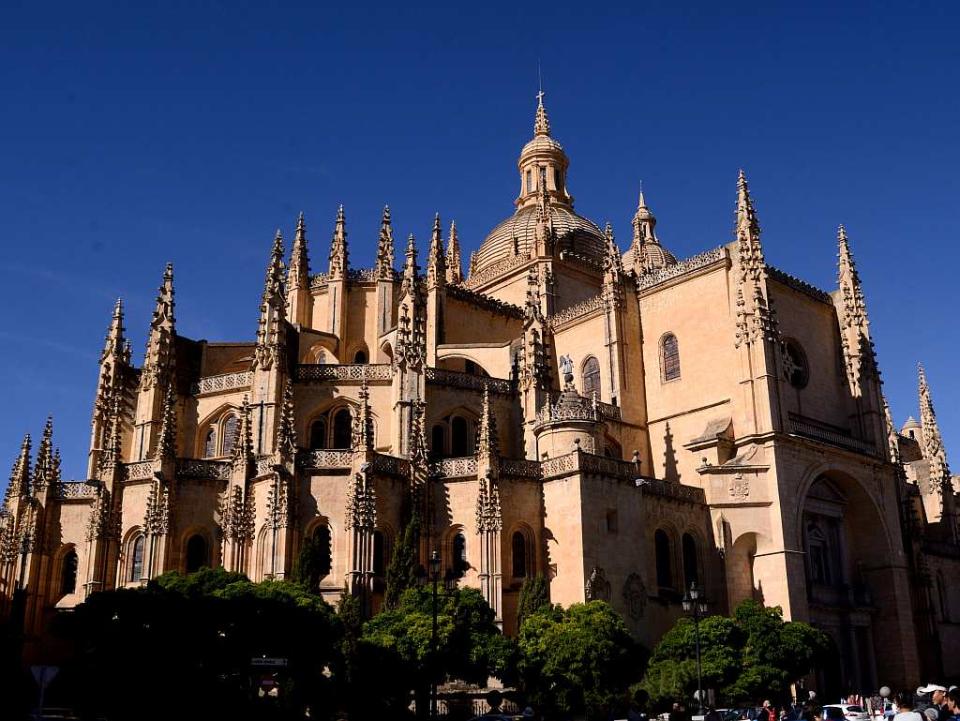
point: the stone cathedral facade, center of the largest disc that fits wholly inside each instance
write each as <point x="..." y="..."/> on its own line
<point x="624" y="423"/>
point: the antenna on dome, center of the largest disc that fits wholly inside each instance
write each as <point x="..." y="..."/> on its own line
<point x="539" y="81"/>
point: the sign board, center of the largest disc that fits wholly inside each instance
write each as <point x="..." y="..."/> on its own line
<point x="43" y="675"/>
<point x="269" y="662"/>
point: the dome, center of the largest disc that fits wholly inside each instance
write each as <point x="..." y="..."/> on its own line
<point x="515" y="236"/>
<point x="911" y="424"/>
<point x="540" y="144"/>
<point x="654" y="257"/>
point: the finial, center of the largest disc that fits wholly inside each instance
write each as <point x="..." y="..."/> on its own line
<point x="300" y="226"/>
<point x="541" y="125"/>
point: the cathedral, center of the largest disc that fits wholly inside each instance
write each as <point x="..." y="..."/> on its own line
<point x="624" y="424"/>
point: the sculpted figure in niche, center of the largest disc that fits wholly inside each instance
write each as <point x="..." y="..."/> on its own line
<point x="635" y="596"/>
<point x="598" y="587"/>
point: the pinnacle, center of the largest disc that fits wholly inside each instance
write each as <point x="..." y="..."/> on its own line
<point x="541" y="124"/>
<point x="386" y="214"/>
<point x="300" y="225"/>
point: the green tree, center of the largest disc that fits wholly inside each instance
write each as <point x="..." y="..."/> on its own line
<point x="313" y="562"/>
<point x="187" y="643"/>
<point x="402" y="571"/>
<point x="754" y="654"/>
<point x="534" y="598"/>
<point x="577" y="660"/>
<point x="470" y="647"/>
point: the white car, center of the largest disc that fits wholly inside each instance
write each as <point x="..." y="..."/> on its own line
<point x="850" y="712"/>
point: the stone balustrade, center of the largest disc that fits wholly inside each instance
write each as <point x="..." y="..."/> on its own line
<point x="327" y="458"/>
<point x="200" y="468"/>
<point x="70" y="490"/>
<point x="356" y="372"/>
<point x="460" y="467"/>
<point x="223" y="382"/>
<point x="468" y="381"/>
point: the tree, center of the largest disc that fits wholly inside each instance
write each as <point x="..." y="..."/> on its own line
<point x="578" y="660"/>
<point x="313" y="562"/>
<point x="402" y="571"/>
<point x="534" y="597"/>
<point x="470" y="647"/>
<point x="186" y="642"/>
<point x="754" y="654"/>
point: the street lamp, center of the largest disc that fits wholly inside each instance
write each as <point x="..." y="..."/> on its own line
<point x="696" y="605"/>
<point x="434" y="577"/>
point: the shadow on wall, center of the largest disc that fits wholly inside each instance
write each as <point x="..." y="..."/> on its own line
<point x="670" y="470"/>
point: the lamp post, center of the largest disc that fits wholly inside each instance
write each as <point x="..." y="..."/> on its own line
<point x="696" y="605"/>
<point x="434" y="577"/>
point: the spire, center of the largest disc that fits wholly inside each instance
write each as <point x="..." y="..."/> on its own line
<point x="893" y="446"/>
<point x="167" y="441"/>
<point x="852" y="313"/>
<point x="363" y="421"/>
<point x="933" y="450"/>
<point x="543" y="232"/>
<point x="488" y="440"/>
<point x="613" y="262"/>
<point x="115" y="341"/>
<point x="44" y="470"/>
<point x="243" y="450"/>
<point x="384" y="268"/>
<point x="20" y="474"/>
<point x="436" y="261"/>
<point x="299" y="274"/>
<point x="419" y="457"/>
<point x="339" y="261"/>
<point x="410" y="267"/>
<point x="454" y="263"/>
<point x="158" y="361"/>
<point x="541" y="124"/>
<point x="755" y="317"/>
<point x="286" y="442"/>
<point x="271" y="327"/>
<point x="113" y="436"/>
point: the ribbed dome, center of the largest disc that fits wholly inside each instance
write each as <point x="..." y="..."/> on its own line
<point x="515" y="235"/>
<point x="655" y="257"/>
<point x="540" y="144"/>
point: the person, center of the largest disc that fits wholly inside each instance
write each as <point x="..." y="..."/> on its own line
<point x="953" y="703"/>
<point x="905" y="712"/>
<point x="766" y="712"/>
<point x="713" y="715"/>
<point x="938" y="698"/>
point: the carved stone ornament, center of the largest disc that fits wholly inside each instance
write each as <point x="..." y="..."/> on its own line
<point x="598" y="587"/>
<point x="635" y="596"/>
<point x="740" y="487"/>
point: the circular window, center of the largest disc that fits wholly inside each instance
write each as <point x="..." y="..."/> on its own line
<point x="795" y="368"/>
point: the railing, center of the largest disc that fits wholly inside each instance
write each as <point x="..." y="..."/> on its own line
<point x="661" y="275"/>
<point x="578" y="409"/>
<point x="223" y="382"/>
<point x="468" y="381"/>
<point x="581" y="309"/>
<point x="825" y="434"/>
<point x="198" y="468"/>
<point x="68" y="490"/>
<point x="391" y="465"/>
<point x="139" y="470"/>
<point x="461" y="467"/>
<point x="492" y="271"/>
<point x="327" y="459"/>
<point x="344" y="372"/>
<point x="583" y="462"/>
<point x="519" y="468"/>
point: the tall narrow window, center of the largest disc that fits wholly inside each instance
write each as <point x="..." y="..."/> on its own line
<point x="519" y="549"/>
<point x="669" y="357"/>
<point x="529" y="181"/>
<point x="460" y="564"/>
<point x="691" y="573"/>
<point x="379" y="554"/>
<point x="318" y="434"/>
<point x="591" y="377"/>
<point x="459" y="437"/>
<point x="68" y="573"/>
<point x="342" y="428"/>
<point x="662" y="550"/>
<point x="437" y="434"/>
<point x="136" y="559"/>
<point x="231" y="428"/>
<point x="210" y="444"/>
<point x="323" y="549"/>
<point x="196" y="553"/>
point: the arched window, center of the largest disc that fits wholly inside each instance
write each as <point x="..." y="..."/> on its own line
<point x="320" y="356"/>
<point x="231" y="429"/>
<point x="459" y="437"/>
<point x="437" y="437"/>
<point x="318" y="434"/>
<point x="669" y="357"/>
<point x="591" y="377"/>
<point x="136" y="559"/>
<point x="379" y="554"/>
<point x="68" y="573"/>
<point x="664" y="566"/>
<point x="818" y="556"/>
<point x="360" y="356"/>
<point x="324" y="549"/>
<point x="210" y="444"/>
<point x="342" y="428"/>
<point x="691" y="572"/>
<point x="460" y="564"/>
<point x="519" y="552"/>
<point x="196" y="553"/>
<point x="529" y="181"/>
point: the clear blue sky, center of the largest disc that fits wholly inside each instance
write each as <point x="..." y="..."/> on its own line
<point x="189" y="132"/>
